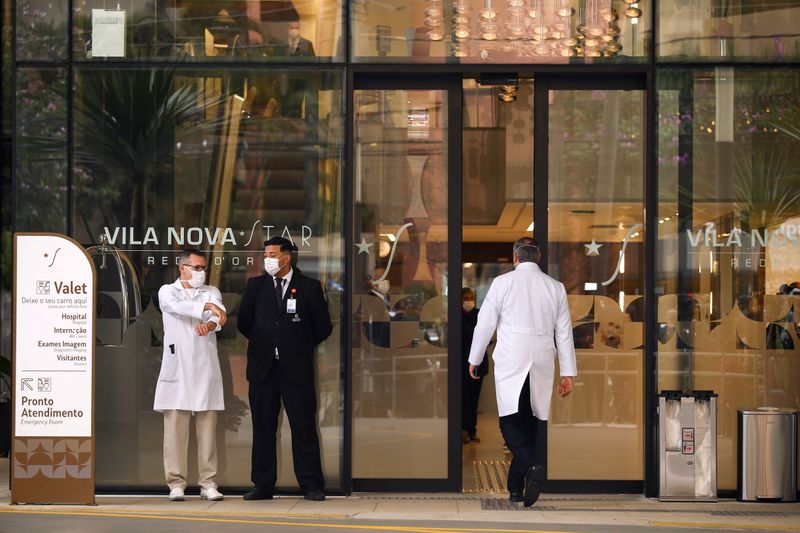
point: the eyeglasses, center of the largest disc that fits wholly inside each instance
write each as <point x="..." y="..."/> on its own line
<point x="196" y="268"/>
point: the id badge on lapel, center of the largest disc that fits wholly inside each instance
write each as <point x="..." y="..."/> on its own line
<point x="291" y="306"/>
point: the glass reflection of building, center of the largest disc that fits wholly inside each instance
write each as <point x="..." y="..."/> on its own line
<point x="663" y="134"/>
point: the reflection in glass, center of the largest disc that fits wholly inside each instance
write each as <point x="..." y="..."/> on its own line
<point x="41" y="29"/>
<point x="595" y="236"/>
<point x="218" y="160"/>
<point x="197" y="30"/>
<point x="41" y="157"/>
<point x="735" y="30"/>
<point x="504" y="31"/>
<point x="399" y="295"/>
<point x="497" y="142"/>
<point x="729" y="231"/>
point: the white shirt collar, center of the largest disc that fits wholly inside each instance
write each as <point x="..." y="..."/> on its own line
<point x="528" y="264"/>
<point x="287" y="277"/>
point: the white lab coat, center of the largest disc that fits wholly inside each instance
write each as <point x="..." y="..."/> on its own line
<point x="190" y="379"/>
<point x="528" y="309"/>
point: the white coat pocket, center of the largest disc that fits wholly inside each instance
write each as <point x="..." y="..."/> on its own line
<point x="169" y="364"/>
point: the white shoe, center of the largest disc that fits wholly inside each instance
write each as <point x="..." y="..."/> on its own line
<point x="211" y="494"/>
<point x="176" y="495"/>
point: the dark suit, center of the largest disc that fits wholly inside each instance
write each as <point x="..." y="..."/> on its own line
<point x="290" y="377"/>
<point x="296" y="89"/>
<point x="470" y="388"/>
<point x="304" y="48"/>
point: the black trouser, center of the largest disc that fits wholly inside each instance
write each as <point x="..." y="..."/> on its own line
<point x="300" y="402"/>
<point x="470" y="396"/>
<point x="522" y="436"/>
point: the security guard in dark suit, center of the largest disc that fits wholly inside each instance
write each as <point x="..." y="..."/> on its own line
<point x="284" y="316"/>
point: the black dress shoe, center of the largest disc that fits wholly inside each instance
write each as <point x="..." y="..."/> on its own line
<point x="516" y="497"/>
<point x="533" y="478"/>
<point x="315" y="495"/>
<point x="258" y="493"/>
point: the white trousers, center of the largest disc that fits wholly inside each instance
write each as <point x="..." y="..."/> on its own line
<point x="176" y="447"/>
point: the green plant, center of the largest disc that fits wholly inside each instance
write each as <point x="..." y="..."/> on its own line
<point x="766" y="186"/>
<point x="125" y="131"/>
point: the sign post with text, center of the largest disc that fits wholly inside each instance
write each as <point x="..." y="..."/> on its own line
<point x="53" y="445"/>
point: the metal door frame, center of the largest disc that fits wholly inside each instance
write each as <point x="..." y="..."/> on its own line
<point x="543" y="83"/>
<point x="452" y="83"/>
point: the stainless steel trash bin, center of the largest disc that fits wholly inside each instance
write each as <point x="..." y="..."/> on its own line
<point x="767" y="453"/>
<point x="688" y="445"/>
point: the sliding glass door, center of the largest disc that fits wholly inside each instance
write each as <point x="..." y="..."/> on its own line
<point x="403" y="224"/>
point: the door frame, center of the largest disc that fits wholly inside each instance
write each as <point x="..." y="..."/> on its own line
<point x="452" y="84"/>
<point x="542" y="85"/>
<point x="545" y="79"/>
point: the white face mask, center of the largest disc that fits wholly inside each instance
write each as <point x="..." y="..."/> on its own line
<point x="198" y="279"/>
<point x="382" y="286"/>
<point x="272" y="265"/>
<point x="294" y="33"/>
<point x="468" y="305"/>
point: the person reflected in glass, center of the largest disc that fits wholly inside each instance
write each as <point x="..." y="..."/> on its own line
<point x="298" y="98"/>
<point x="294" y="45"/>
<point x="779" y="338"/>
<point x="470" y="388"/>
<point x="377" y="328"/>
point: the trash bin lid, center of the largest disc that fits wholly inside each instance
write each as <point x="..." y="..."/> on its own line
<point x="769" y="411"/>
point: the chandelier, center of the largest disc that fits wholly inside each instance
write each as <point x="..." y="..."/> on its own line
<point x="434" y="20"/>
<point x="543" y="28"/>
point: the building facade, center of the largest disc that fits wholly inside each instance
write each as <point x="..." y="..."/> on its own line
<point x="652" y="147"/>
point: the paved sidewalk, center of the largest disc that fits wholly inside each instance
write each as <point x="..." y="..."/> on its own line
<point x="551" y="510"/>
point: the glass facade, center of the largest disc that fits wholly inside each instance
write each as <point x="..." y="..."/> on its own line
<point x="728" y="237"/>
<point x="41" y="146"/>
<point x="595" y="187"/>
<point x="399" y="291"/>
<point x="717" y="31"/>
<point x="211" y="30"/>
<point x="7" y="95"/>
<point x="42" y="29"/>
<point x="144" y="127"/>
<point x="172" y="157"/>
<point x="499" y="31"/>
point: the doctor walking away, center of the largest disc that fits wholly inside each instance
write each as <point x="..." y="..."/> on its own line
<point x="190" y="381"/>
<point x="284" y="316"/>
<point x="529" y="310"/>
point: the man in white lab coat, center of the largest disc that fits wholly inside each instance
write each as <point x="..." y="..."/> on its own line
<point x="529" y="310"/>
<point x="190" y="381"/>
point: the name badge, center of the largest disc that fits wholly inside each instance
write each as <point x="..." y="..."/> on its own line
<point x="291" y="305"/>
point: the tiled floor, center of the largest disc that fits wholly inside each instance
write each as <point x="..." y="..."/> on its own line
<point x="484" y="464"/>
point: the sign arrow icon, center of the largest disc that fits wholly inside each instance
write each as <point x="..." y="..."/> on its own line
<point x="26" y="382"/>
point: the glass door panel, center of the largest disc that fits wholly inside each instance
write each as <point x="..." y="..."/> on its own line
<point x="400" y="279"/>
<point x="595" y="241"/>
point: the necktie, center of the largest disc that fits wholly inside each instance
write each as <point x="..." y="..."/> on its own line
<point x="279" y="292"/>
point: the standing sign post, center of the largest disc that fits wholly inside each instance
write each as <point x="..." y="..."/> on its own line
<point x="53" y="445"/>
